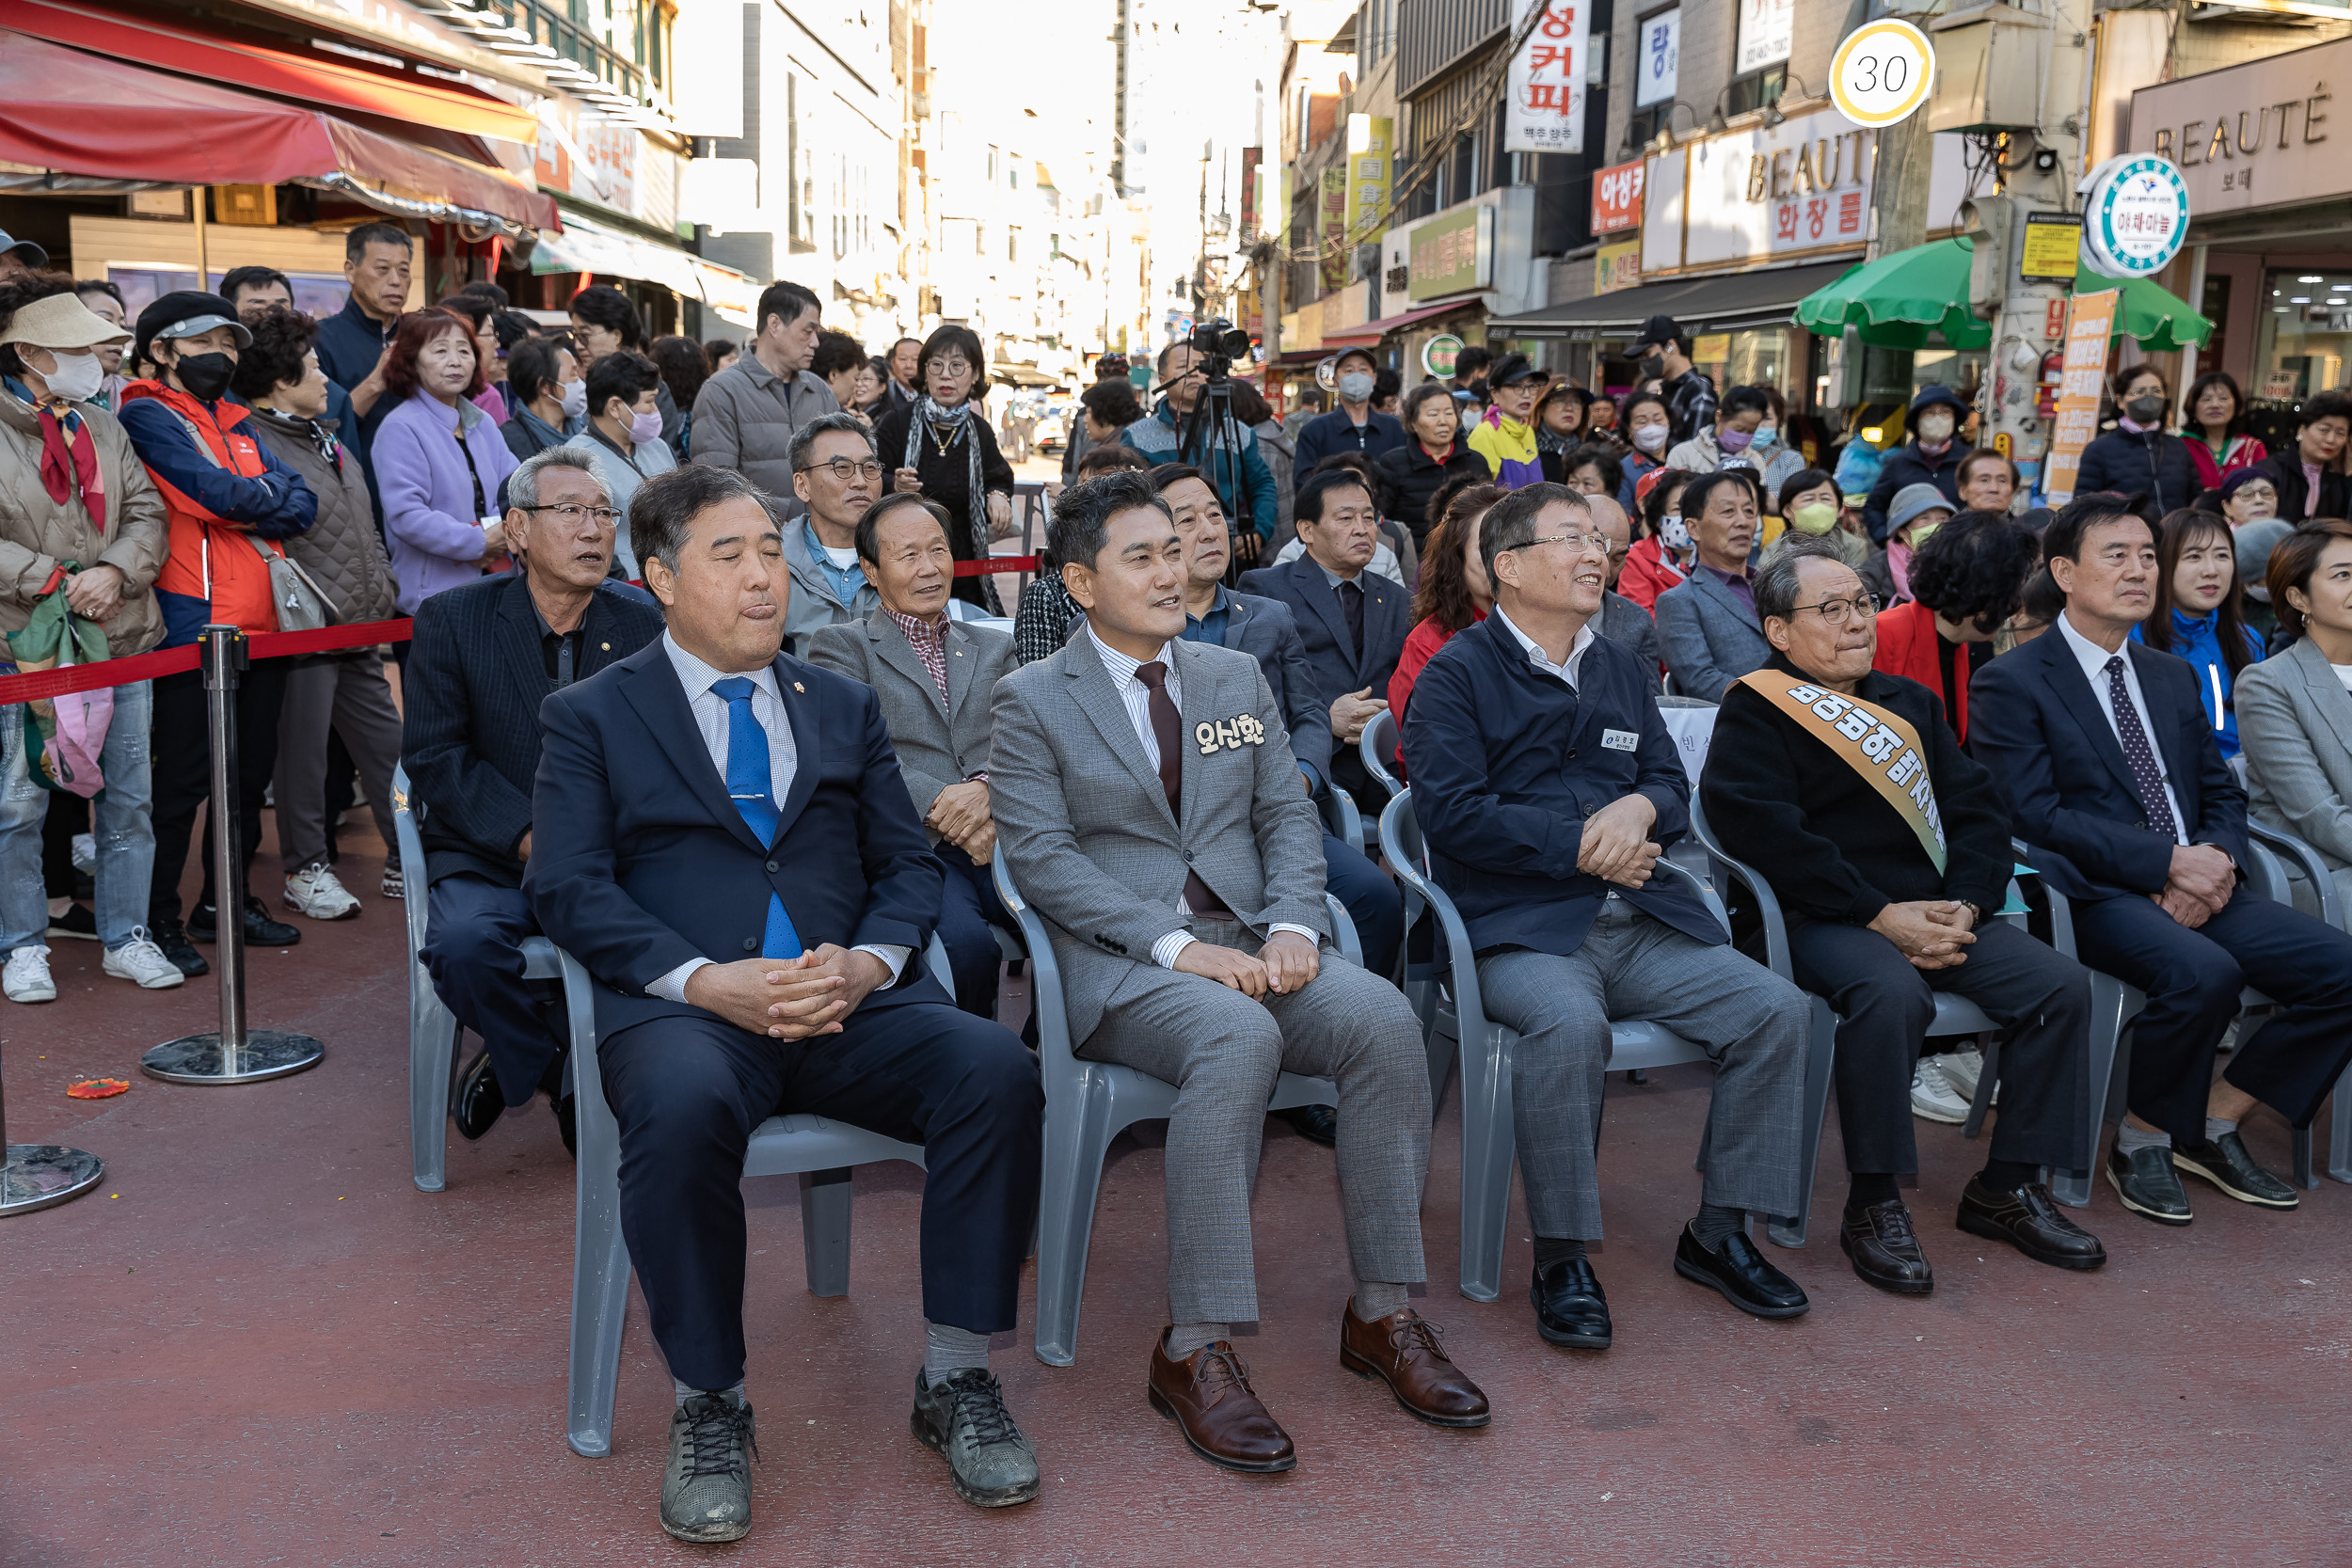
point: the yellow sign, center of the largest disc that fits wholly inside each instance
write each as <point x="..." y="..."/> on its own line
<point x="2090" y="324"/>
<point x="1882" y="72"/>
<point x="1370" y="141"/>
<point x="1616" y="266"/>
<point x="2053" y="244"/>
<point x="1712" y="349"/>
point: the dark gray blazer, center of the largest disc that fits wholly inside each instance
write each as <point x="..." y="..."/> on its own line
<point x="1629" y="626"/>
<point x="938" y="743"/>
<point x="1710" y="639"/>
<point x="1331" y="658"/>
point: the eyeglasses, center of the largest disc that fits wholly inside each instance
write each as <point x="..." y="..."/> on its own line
<point x="572" y="512"/>
<point x="952" y="365"/>
<point x="843" y="469"/>
<point x="1836" y="612"/>
<point x="1599" y="543"/>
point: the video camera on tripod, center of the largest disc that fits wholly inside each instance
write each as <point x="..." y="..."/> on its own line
<point x="1209" y="437"/>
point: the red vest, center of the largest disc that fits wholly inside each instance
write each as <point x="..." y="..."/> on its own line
<point x="212" y="559"/>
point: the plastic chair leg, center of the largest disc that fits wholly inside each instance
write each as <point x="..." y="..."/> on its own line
<point x="1990" y="1045"/>
<point x="825" y="1231"/>
<point x="432" y="1052"/>
<point x="600" y="1284"/>
<point x="1489" y="1143"/>
<point x="1819" y="1061"/>
<point x="2339" y="1133"/>
<point x="2107" y="1029"/>
<point x="1074" y="1145"/>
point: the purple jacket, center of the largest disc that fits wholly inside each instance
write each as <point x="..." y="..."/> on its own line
<point x="432" y="515"/>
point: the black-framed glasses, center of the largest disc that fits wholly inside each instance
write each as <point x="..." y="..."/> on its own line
<point x="844" y="470"/>
<point x="1837" y="612"/>
<point x="572" y="512"/>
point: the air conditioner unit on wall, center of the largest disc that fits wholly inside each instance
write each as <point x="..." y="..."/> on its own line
<point x="1988" y="70"/>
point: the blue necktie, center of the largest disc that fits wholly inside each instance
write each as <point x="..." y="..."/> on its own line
<point x="753" y="791"/>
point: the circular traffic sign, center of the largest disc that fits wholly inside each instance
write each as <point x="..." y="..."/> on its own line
<point x="1438" y="355"/>
<point x="2135" y="214"/>
<point x="1882" y="72"/>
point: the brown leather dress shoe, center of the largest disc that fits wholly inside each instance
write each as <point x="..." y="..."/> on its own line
<point x="1208" y="1396"/>
<point x="1404" y="1351"/>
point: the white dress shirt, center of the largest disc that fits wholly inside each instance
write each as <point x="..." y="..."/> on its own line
<point x="784" y="761"/>
<point x="1138" y="698"/>
<point x="1569" y="671"/>
<point x="2093" y="659"/>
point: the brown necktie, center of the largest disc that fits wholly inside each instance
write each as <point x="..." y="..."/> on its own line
<point x="1167" y="728"/>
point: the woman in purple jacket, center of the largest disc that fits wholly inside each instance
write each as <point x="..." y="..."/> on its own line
<point x="439" y="461"/>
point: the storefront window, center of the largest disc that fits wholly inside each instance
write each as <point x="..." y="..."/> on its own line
<point x="1757" y="359"/>
<point x="1961" y="371"/>
<point x="2306" y="334"/>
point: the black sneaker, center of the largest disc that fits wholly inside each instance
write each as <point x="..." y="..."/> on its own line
<point x="2146" y="1182"/>
<point x="2225" y="1162"/>
<point x="259" y="929"/>
<point x="172" y="937"/>
<point x="706" y="1491"/>
<point x="964" y="1417"/>
<point x="77" y="922"/>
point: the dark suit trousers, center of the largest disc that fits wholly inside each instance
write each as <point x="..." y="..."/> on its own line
<point x="2193" y="978"/>
<point x="687" y="1091"/>
<point x="966" y="912"/>
<point x="2040" y="997"/>
<point x="1372" y="902"/>
<point x="473" y="938"/>
<point x="182" y="750"/>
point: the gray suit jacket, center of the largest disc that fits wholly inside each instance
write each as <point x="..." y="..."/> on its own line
<point x="938" y="744"/>
<point x="2294" y="724"/>
<point x="1709" y="637"/>
<point x="1085" y="826"/>
<point x="1629" y="626"/>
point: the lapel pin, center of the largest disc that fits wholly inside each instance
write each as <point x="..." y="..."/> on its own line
<point x="606" y="646"/>
<point x="798" y="687"/>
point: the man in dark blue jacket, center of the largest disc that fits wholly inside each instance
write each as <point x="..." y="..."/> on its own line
<point x="1352" y="426"/>
<point x="2104" y="750"/>
<point x="731" y="854"/>
<point x="1546" y="786"/>
<point x="1932" y="456"/>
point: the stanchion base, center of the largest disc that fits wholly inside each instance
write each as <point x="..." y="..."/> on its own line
<point x="201" y="1058"/>
<point x="38" y="1175"/>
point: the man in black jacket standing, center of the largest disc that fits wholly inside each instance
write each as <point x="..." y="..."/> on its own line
<point x="485" y="657"/>
<point x="1889" y="846"/>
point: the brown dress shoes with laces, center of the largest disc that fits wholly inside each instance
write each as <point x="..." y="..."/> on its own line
<point x="1404" y="1351"/>
<point x="1208" y="1396"/>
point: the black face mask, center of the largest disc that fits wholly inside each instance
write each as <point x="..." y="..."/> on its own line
<point x="2145" y="410"/>
<point x="1650" y="366"/>
<point x="204" y="375"/>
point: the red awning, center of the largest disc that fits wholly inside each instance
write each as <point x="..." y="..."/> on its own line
<point x="77" y="114"/>
<point x="1372" y="331"/>
<point x="188" y="53"/>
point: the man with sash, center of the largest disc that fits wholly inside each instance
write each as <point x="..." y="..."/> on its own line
<point x="1888" y="848"/>
<point x="1546" y="786"/>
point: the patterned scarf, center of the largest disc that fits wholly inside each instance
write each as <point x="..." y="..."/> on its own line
<point x="952" y="422"/>
<point x="68" y="467"/>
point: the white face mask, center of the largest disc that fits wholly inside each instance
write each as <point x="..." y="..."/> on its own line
<point x="1674" y="531"/>
<point x="574" y="399"/>
<point x="77" y="377"/>
<point x="1936" y="425"/>
<point x="1649" y="438"/>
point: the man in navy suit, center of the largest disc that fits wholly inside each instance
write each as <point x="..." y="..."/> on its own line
<point x="2104" y="750"/>
<point x="731" y="853"/>
<point x="485" y="657"/>
<point x="1545" y="784"/>
<point x="1353" y="620"/>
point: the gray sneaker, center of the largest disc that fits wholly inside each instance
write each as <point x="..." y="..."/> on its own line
<point x="706" y="1491"/>
<point x="964" y="1418"/>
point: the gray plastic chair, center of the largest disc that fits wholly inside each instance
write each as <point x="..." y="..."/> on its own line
<point x="2293" y="858"/>
<point x="1346" y="824"/>
<point x="818" y="1151"/>
<point x="1489" y="1143"/>
<point x="432" y="1029"/>
<point x="1089" y="1103"/>
<point x="1379" y="746"/>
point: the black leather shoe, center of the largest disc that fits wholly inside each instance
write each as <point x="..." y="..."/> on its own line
<point x="1570" y="1308"/>
<point x="2149" y="1184"/>
<point x="259" y="929"/>
<point x="172" y="937"/>
<point x="1741" y="1274"/>
<point x="1318" y="1124"/>
<point x="480" y="1100"/>
<point x="568" y="1124"/>
<point x="2029" y="1220"/>
<point x="1885" y="1250"/>
<point x="2225" y="1162"/>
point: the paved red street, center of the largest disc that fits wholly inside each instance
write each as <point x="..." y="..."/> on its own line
<point x="257" y="1342"/>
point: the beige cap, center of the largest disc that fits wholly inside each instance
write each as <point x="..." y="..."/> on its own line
<point x="61" y="320"/>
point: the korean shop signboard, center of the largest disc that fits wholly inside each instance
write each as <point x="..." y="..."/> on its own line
<point x="1789" y="192"/>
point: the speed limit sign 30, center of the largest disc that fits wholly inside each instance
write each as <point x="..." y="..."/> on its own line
<point x="1882" y="72"/>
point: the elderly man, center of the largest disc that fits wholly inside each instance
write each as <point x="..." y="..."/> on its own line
<point x="933" y="677"/>
<point x="485" y="655"/>
<point x="1148" y="806"/>
<point x="731" y="854"/>
<point x="1622" y="621"/>
<point x="1546" y="786"/>
<point x="837" y="476"/>
<point x="1887" y="845"/>
<point x="1706" y="624"/>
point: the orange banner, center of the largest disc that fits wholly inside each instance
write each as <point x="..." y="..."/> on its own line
<point x="2090" y="324"/>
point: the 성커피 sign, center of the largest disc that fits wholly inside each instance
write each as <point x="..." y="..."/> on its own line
<point x="2135" y="215"/>
<point x="1547" y="80"/>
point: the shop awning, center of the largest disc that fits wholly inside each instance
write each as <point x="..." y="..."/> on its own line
<point x="1719" y="304"/>
<point x="1900" y="300"/>
<point x="190" y="52"/>
<point x="78" y="115"/>
<point x="587" y="245"/>
<point x="1372" y="332"/>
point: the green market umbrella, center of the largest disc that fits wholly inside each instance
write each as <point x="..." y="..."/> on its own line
<point x="1906" y="299"/>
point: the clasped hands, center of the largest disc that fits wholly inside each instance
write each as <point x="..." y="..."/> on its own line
<point x="1616" y="846"/>
<point x="789" y="999"/>
<point x="960" y="815"/>
<point x="1283" y="965"/>
<point x="2200" y="881"/>
<point x="1930" y="932"/>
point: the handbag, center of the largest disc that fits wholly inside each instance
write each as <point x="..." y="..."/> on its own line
<point x="302" y="605"/>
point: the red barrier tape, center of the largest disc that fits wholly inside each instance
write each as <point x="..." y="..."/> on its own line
<point x="171" y="661"/>
<point x="995" y="564"/>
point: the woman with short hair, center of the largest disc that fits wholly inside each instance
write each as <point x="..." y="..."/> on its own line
<point x="550" y="397"/>
<point x="1435" y="451"/>
<point x="940" y="446"/>
<point x="439" y="459"/>
<point x="2216" y="430"/>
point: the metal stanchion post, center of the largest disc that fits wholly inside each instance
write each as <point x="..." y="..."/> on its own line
<point x="34" y="1175"/>
<point x="235" y="1055"/>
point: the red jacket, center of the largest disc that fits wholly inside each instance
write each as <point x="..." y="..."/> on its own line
<point x="1649" y="571"/>
<point x="1907" y="647"/>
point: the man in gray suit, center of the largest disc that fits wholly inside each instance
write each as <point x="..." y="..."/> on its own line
<point x="836" y="473"/>
<point x="1148" y="806"/>
<point x="932" y="677"/>
<point x="1622" y="621"/>
<point x="1708" y="624"/>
